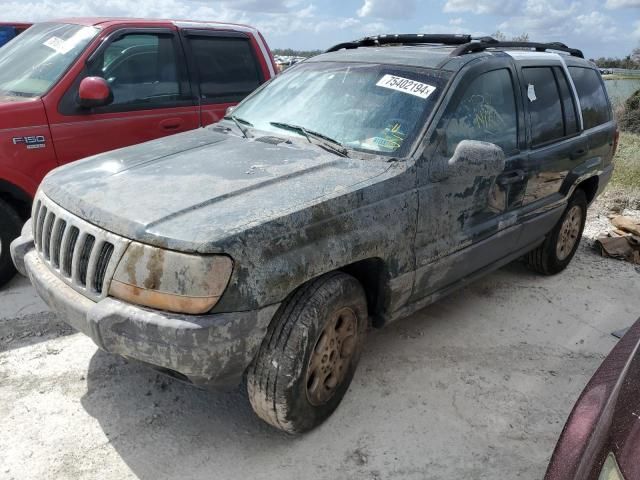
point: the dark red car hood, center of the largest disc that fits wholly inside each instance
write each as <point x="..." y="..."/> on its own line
<point x="605" y="420"/>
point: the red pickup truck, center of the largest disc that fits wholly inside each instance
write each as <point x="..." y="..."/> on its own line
<point x="77" y="87"/>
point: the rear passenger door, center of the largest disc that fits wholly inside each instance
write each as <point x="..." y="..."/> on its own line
<point x="224" y="69"/>
<point x="555" y="143"/>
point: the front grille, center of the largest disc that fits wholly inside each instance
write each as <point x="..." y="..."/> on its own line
<point x="82" y="255"/>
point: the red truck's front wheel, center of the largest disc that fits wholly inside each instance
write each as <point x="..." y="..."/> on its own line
<point x="10" y="225"/>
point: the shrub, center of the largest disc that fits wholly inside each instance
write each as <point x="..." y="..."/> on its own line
<point x="629" y="117"/>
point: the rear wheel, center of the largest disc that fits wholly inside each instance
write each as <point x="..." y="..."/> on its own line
<point x="10" y="225"/>
<point x="562" y="242"/>
<point x="310" y="353"/>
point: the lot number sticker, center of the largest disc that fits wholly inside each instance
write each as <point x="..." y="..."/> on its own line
<point x="406" y="85"/>
<point x="58" y="45"/>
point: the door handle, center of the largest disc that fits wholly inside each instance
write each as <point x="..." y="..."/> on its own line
<point x="511" y="177"/>
<point x="577" y="153"/>
<point x="171" y="123"/>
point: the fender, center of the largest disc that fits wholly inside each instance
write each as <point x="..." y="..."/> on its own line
<point x="590" y="168"/>
<point x="273" y="260"/>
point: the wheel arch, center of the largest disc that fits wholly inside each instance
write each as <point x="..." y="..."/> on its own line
<point x="373" y="275"/>
<point x="590" y="187"/>
<point x="17" y="198"/>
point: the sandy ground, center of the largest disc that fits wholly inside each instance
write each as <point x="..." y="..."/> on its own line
<point x="477" y="386"/>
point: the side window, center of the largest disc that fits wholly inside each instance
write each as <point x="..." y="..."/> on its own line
<point x="486" y="112"/>
<point x="227" y="68"/>
<point x="593" y="99"/>
<point x="568" y="105"/>
<point x="545" y="106"/>
<point x="141" y="69"/>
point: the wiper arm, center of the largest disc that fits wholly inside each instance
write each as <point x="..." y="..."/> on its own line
<point x="239" y="122"/>
<point x="326" y="142"/>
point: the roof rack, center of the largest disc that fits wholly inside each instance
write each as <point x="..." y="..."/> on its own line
<point x="481" y="44"/>
<point x="465" y="43"/>
<point x="405" y="39"/>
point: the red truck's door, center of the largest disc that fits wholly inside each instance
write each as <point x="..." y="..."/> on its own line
<point x="152" y="96"/>
<point x="226" y="66"/>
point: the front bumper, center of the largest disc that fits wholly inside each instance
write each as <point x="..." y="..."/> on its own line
<point x="206" y="350"/>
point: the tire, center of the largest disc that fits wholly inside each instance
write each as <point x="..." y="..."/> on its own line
<point x="10" y="226"/>
<point x="286" y="382"/>
<point x="562" y="242"/>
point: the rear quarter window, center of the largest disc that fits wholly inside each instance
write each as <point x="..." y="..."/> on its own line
<point x="593" y="99"/>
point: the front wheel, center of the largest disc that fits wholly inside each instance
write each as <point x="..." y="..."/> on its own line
<point x="309" y="355"/>
<point x="562" y="242"/>
<point x="10" y="225"/>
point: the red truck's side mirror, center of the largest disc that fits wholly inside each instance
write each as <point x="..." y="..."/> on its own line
<point x="94" y="92"/>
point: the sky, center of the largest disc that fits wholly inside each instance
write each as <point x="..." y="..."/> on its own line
<point x="598" y="27"/>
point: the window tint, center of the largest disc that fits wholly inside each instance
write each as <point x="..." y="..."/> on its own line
<point x="486" y="112"/>
<point x="593" y="100"/>
<point x="545" y="107"/>
<point x="141" y="69"/>
<point x="568" y="105"/>
<point x="227" y="68"/>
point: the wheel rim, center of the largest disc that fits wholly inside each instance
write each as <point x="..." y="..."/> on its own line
<point x="331" y="356"/>
<point x="569" y="232"/>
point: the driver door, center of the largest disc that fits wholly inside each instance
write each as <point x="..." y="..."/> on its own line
<point x="152" y="97"/>
<point x="468" y="221"/>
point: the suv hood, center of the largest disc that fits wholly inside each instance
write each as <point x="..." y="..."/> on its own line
<point x="190" y="190"/>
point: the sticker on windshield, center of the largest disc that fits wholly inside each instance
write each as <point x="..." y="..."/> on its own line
<point x="406" y="85"/>
<point x="59" y="45"/>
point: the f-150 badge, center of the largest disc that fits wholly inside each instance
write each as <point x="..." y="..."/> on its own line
<point x="31" y="142"/>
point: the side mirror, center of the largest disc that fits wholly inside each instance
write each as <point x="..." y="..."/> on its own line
<point x="94" y="92"/>
<point x="229" y="111"/>
<point x="472" y="159"/>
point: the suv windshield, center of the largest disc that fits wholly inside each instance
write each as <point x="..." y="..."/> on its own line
<point x="368" y="107"/>
<point x="34" y="61"/>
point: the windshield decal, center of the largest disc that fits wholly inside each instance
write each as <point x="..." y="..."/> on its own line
<point x="65" y="46"/>
<point x="406" y="85"/>
<point x="59" y="45"/>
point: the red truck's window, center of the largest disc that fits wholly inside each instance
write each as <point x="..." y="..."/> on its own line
<point x="142" y="69"/>
<point x="32" y="64"/>
<point x="227" y="68"/>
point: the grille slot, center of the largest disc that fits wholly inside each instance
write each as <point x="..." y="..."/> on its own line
<point x="46" y="234"/>
<point x="101" y="268"/>
<point x="85" y="255"/>
<point x="56" y="243"/>
<point x="80" y="254"/>
<point x="42" y="213"/>
<point x="70" y="248"/>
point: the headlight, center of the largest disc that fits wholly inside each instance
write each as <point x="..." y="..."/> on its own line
<point x="172" y="281"/>
<point x="610" y="469"/>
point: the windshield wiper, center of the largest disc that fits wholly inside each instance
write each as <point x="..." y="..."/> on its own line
<point x="239" y="122"/>
<point x="325" y="142"/>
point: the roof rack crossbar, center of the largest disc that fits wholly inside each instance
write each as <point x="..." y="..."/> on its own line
<point x="406" y="39"/>
<point x="484" y="43"/>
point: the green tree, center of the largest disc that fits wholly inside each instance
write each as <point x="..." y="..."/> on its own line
<point x="501" y="37"/>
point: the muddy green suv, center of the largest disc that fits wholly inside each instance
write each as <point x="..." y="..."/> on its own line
<point x="350" y="191"/>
